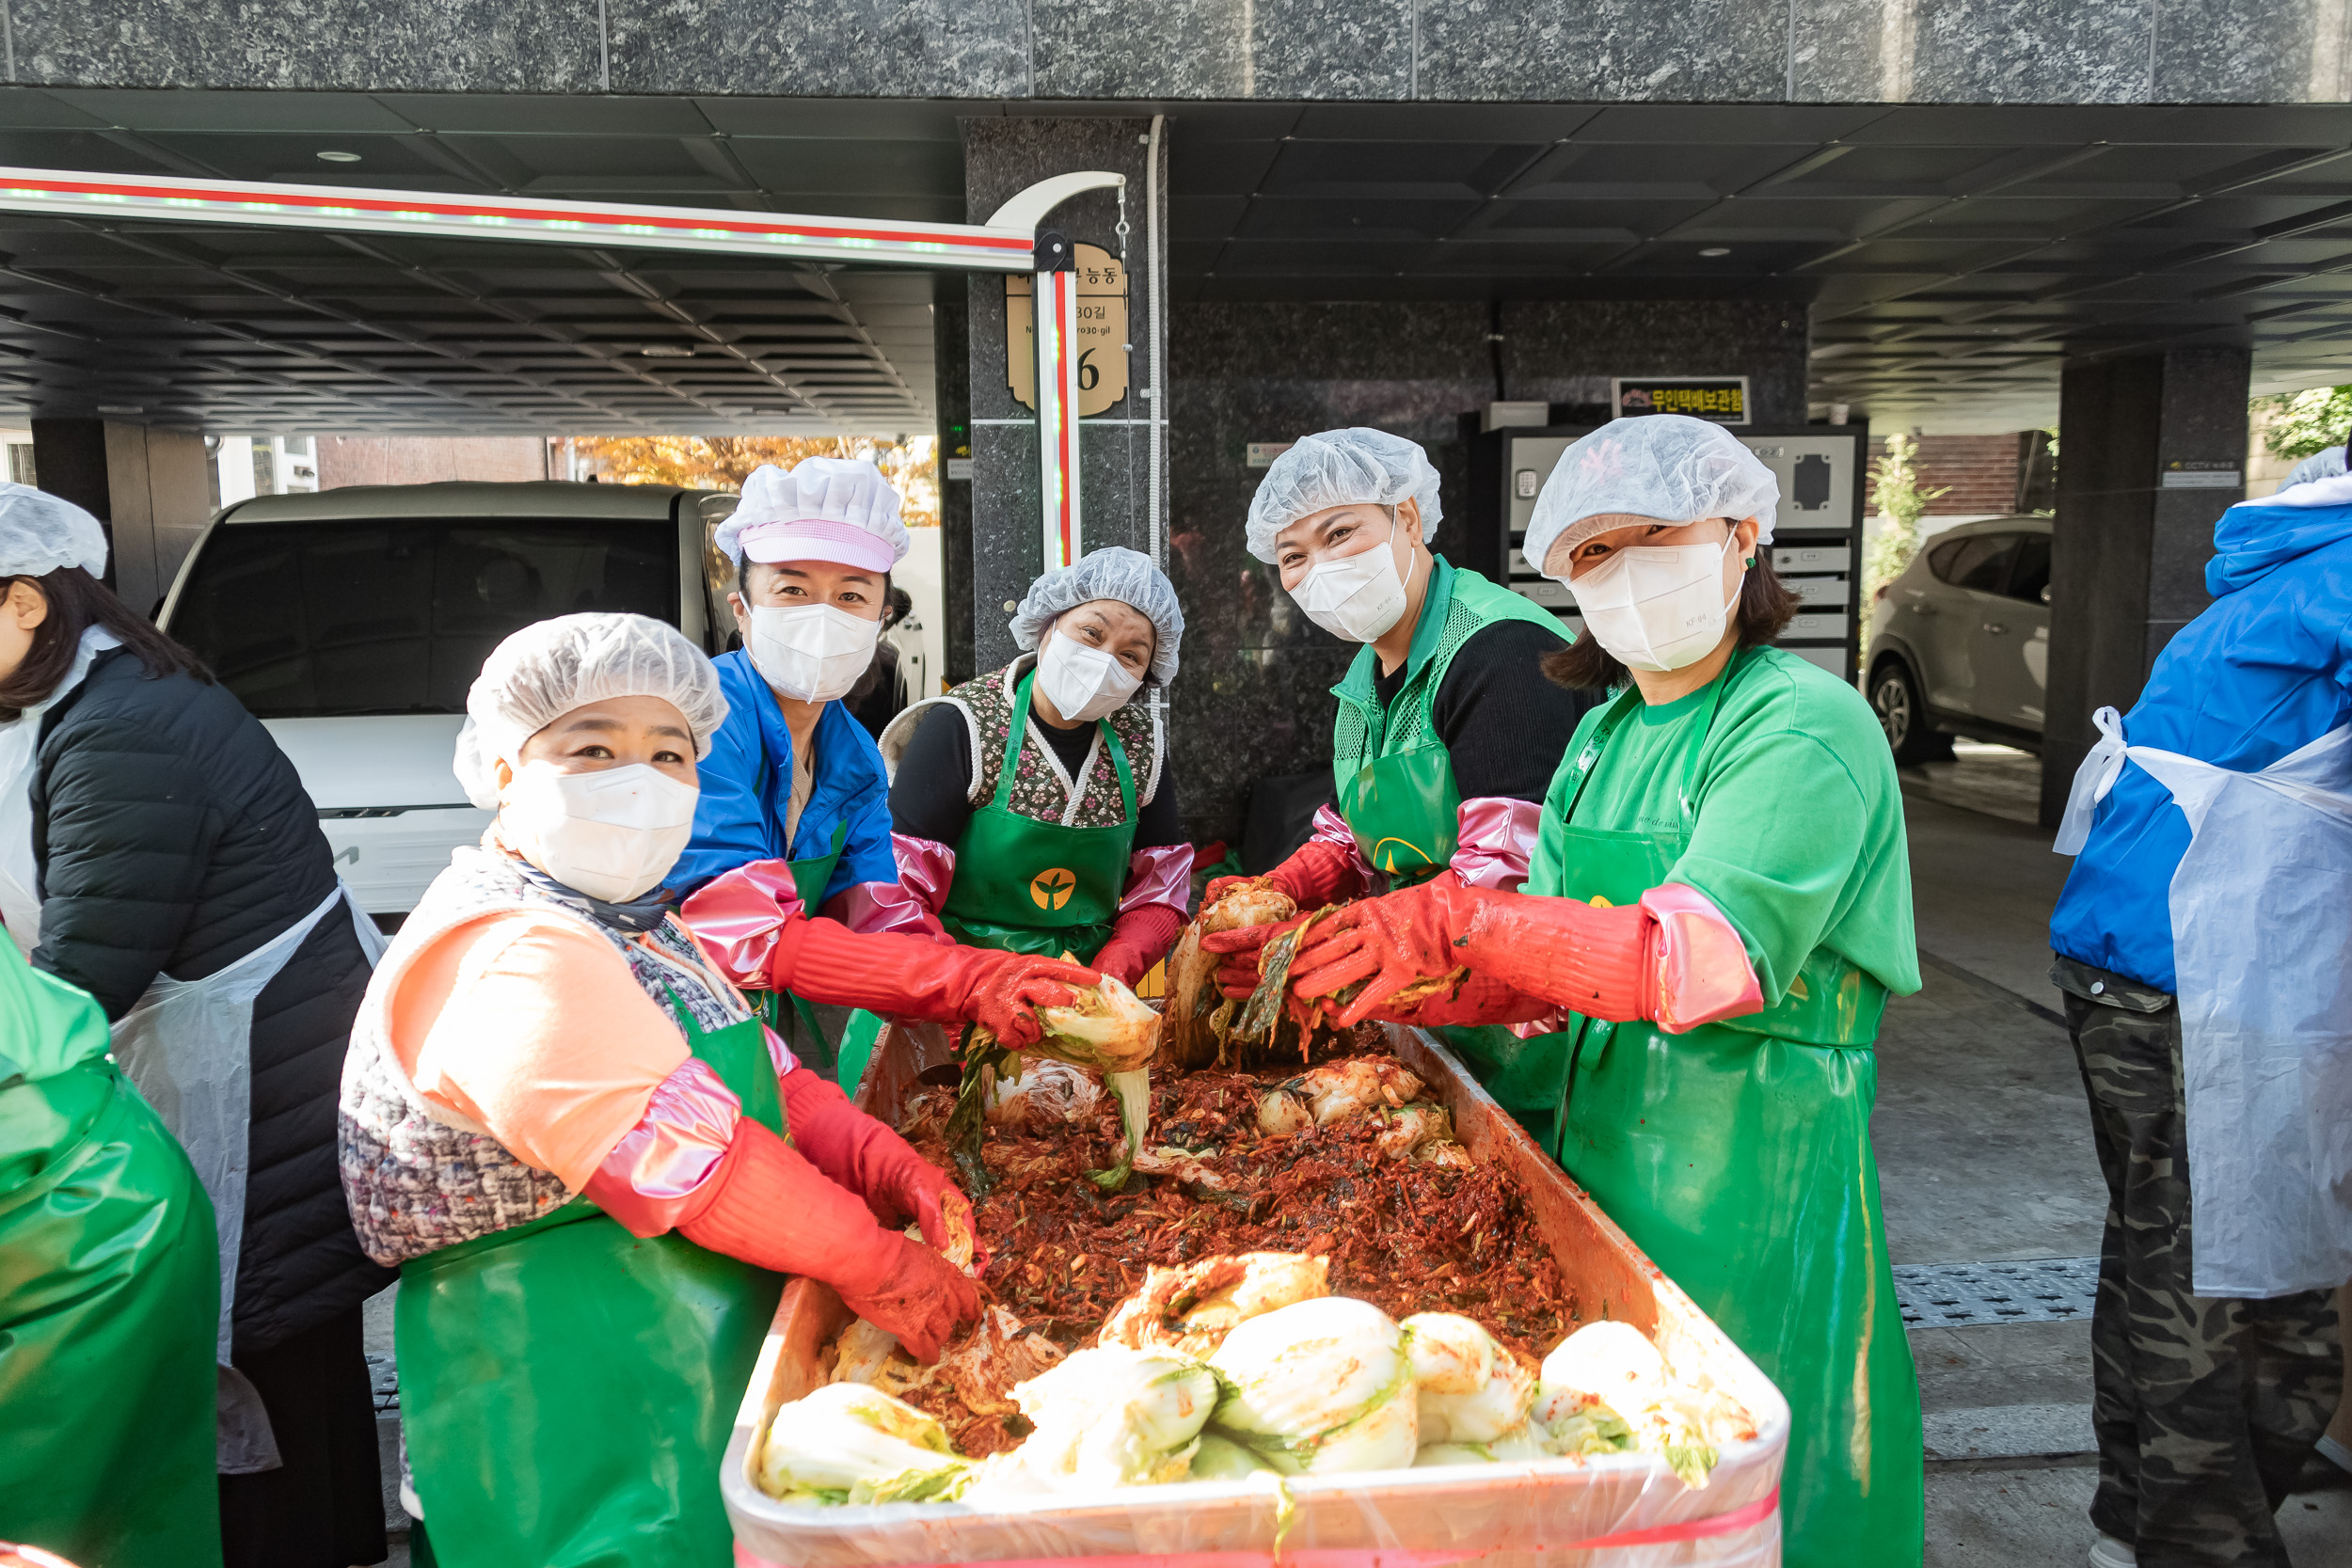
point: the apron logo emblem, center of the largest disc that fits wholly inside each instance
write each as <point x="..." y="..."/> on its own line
<point x="1051" y="889"/>
<point x="1388" y="859"/>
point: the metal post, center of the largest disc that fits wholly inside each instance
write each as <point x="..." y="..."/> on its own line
<point x="1055" y="303"/>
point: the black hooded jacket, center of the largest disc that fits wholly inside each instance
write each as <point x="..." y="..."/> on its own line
<point x="173" y="837"/>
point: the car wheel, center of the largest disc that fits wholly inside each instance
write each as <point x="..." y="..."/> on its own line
<point x="1904" y="718"/>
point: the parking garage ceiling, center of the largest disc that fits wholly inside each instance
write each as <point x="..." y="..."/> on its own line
<point x="1952" y="256"/>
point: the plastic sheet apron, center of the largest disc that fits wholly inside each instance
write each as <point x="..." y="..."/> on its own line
<point x="1040" y="888"/>
<point x="567" y="1390"/>
<point x="1737" y="1156"/>
<point x="2262" y="927"/>
<point x="1406" y="809"/>
<point x="188" y="1045"/>
<point x="108" y="1298"/>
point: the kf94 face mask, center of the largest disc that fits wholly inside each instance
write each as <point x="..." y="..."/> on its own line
<point x="812" y="652"/>
<point x="1356" y="597"/>
<point x="612" y="834"/>
<point x="1658" y="607"/>
<point x="1084" y="682"/>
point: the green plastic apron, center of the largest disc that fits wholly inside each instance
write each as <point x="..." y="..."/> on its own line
<point x="109" y="1311"/>
<point x="1026" y="886"/>
<point x="1404" y="810"/>
<point x="567" y="1390"/>
<point x="1737" y="1156"/>
<point x="810" y="878"/>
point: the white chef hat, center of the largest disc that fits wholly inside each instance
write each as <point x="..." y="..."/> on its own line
<point x="1652" y="469"/>
<point x="1341" y="467"/>
<point x="550" y="668"/>
<point x="41" y="532"/>
<point x="836" y="509"/>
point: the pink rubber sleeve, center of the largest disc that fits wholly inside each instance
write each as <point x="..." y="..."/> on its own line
<point x="926" y="869"/>
<point x="1703" y="974"/>
<point x="660" y="1175"/>
<point x="1494" y="842"/>
<point x="740" y="916"/>
<point x="1161" y="874"/>
<point x="864" y="907"/>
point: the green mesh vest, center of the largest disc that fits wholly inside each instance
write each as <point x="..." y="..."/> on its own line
<point x="1395" y="782"/>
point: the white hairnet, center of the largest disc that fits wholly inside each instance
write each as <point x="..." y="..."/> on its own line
<point x="550" y="668"/>
<point x="39" y="532"/>
<point x="1341" y="467"/>
<point x="1112" y="572"/>
<point x="2320" y="464"/>
<point x="838" y="508"/>
<point x="1652" y="469"/>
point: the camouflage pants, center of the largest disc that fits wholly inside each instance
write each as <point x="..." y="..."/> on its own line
<point x="2206" y="1407"/>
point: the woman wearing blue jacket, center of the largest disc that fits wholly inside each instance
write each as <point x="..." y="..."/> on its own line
<point x="793" y="776"/>
<point x="2201" y="944"/>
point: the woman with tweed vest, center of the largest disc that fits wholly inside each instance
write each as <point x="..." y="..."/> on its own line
<point x="591" y="1161"/>
<point x="1029" y="808"/>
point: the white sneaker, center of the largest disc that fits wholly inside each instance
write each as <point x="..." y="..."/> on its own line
<point x="2112" y="1553"/>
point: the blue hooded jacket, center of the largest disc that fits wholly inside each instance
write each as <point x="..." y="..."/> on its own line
<point x="747" y="781"/>
<point x="2262" y="673"/>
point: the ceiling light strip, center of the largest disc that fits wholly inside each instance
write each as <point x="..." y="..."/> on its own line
<point x="270" y="204"/>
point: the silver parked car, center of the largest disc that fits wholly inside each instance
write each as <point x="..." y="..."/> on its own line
<point x="351" y="622"/>
<point x="1960" y="641"/>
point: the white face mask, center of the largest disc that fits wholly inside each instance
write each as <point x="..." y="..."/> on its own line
<point x="1356" y="597"/>
<point x="1658" y="607"/>
<point x="613" y="834"/>
<point x="811" y="652"/>
<point x="1084" y="682"/>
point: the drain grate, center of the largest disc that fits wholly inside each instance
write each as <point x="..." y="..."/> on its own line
<point x="384" y="1381"/>
<point x="1969" y="1295"/>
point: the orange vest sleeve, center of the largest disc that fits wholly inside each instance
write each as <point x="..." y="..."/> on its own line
<point x="535" y="1031"/>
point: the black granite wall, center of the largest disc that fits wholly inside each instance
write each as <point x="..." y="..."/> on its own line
<point x="1002" y="157"/>
<point x="1254" y="696"/>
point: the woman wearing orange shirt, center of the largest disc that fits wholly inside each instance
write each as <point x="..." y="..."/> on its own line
<point x="590" y="1159"/>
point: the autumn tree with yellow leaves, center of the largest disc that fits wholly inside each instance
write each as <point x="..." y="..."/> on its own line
<point x="724" y="462"/>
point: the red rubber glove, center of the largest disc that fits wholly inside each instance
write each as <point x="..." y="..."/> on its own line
<point x="1244" y="953"/>
<point x="1590" y="960"/>
<point x="914" y="977"/>
<point x="1479" y="999"/>
<point x="775" y="1210"/>
<point x="1318" y="872"/>
<point x="857" y="1151"/>
<point x="1140" y="939"/>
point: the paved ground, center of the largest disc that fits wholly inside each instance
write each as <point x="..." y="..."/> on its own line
<point x="1984" y="1153"/>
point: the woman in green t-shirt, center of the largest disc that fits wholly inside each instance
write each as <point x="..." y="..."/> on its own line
<point x="1719" y="904"/>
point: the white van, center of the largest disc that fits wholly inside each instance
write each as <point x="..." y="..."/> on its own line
<point x="351" y="622"/>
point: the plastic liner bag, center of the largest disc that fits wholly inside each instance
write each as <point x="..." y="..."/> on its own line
<point x="1614" y="1509"/>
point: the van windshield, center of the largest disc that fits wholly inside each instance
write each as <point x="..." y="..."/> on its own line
<point x="325" y="620"/>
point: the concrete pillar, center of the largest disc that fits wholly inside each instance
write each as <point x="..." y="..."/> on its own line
<point x="2151" y="451"/>
<point x="1001" y="158"/>
<point x="152" y="488"/>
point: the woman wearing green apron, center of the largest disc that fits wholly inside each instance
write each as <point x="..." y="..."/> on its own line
<point x="1447" y="732"/>
<point x="1719" y="904"/>
<point x="591" y="1161"/>
<point x="109" y="1298"/>
<point x="793" y="776"/>
<point x="1030" y="805"/>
